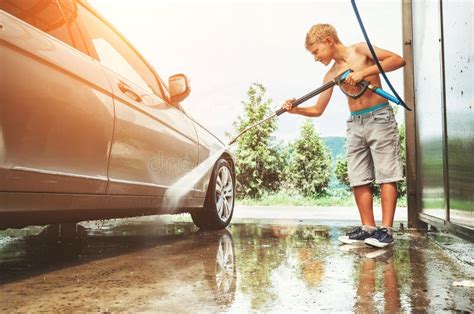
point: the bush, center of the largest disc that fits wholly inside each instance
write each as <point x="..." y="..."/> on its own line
<point x="341" y="171"/>
<point x="310" y="164"/>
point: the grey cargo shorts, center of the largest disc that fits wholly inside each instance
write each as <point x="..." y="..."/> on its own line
<point x="373" y="148"/>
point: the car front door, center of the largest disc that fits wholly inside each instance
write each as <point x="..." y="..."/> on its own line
<point x="154" y="143"/>
<point x="56" y="108"/>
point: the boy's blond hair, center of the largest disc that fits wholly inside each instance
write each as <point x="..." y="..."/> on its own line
<point x="318" y="32"/>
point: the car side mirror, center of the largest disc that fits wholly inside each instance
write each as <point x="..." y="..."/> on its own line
<point x="179" y="87"/>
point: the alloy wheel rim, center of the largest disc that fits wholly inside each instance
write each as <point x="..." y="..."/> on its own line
<point x="224" y="194"/>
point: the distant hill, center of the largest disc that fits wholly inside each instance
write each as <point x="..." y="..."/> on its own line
<point x="336" y="146"/>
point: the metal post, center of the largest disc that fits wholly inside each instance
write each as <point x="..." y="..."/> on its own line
<point x="445" y="122"/>
<point x="413" y="187"/>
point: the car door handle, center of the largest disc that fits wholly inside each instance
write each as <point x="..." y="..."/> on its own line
<point x="127" y="90"/>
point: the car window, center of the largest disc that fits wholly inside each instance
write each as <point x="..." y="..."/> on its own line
<point x="45" y="15"/>
<point x="115" y="53"/>
<point x="69" y="9"/>
<point x="77" y="37"/>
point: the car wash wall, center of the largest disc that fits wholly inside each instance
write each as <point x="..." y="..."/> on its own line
<point x="438" y="42"/>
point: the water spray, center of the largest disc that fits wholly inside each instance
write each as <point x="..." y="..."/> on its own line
<point x="186" y="183"/>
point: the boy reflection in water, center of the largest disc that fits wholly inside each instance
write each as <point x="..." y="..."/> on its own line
<point x="366" y="288"/>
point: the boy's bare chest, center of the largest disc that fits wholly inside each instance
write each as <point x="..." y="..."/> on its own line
<point x="355" y="62"/>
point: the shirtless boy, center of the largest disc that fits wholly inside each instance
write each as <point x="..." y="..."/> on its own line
<point x="372" y="147"/>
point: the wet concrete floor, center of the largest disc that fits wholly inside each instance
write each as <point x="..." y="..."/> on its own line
<point x="149" y="264"/>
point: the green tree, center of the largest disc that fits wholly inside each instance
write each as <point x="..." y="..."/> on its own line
<point x="402" y="185"/>
<point x="310" y="164"/>
<point x="258" y="162"/>
<point x="341" y="171"/>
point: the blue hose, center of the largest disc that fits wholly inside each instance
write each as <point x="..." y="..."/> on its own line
<point x="376" y="60"/>
<point x="386" y="95"/>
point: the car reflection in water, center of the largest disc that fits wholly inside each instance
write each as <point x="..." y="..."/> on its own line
<point x="140" y="265"/>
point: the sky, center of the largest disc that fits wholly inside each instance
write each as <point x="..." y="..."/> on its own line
<point x="224" y="46"/>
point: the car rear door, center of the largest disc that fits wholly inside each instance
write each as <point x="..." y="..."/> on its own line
<point x="56" y="105"/>
<point x="154" y="143"/>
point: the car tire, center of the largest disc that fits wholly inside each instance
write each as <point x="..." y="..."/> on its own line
<point x="219" y="203"/>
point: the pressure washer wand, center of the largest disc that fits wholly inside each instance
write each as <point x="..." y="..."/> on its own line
<point x="363" y="86"/>
<point x="297" y="102"/>
<point x="309" y="95"/>
<point x="251" y="127"/>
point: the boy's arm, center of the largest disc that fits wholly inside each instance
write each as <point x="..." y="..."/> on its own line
<point x="321" y="104"/>
<point x="389" y="61"/>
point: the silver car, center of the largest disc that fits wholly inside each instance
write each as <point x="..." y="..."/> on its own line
<point x="88" y="130"/>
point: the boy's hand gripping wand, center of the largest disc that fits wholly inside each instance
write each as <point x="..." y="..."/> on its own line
<point x="363" y="85"/>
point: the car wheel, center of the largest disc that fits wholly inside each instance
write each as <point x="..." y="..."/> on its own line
<point x="219" y="203"/>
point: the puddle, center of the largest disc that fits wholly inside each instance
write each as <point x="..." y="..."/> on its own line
<point x="148" y="265"/>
